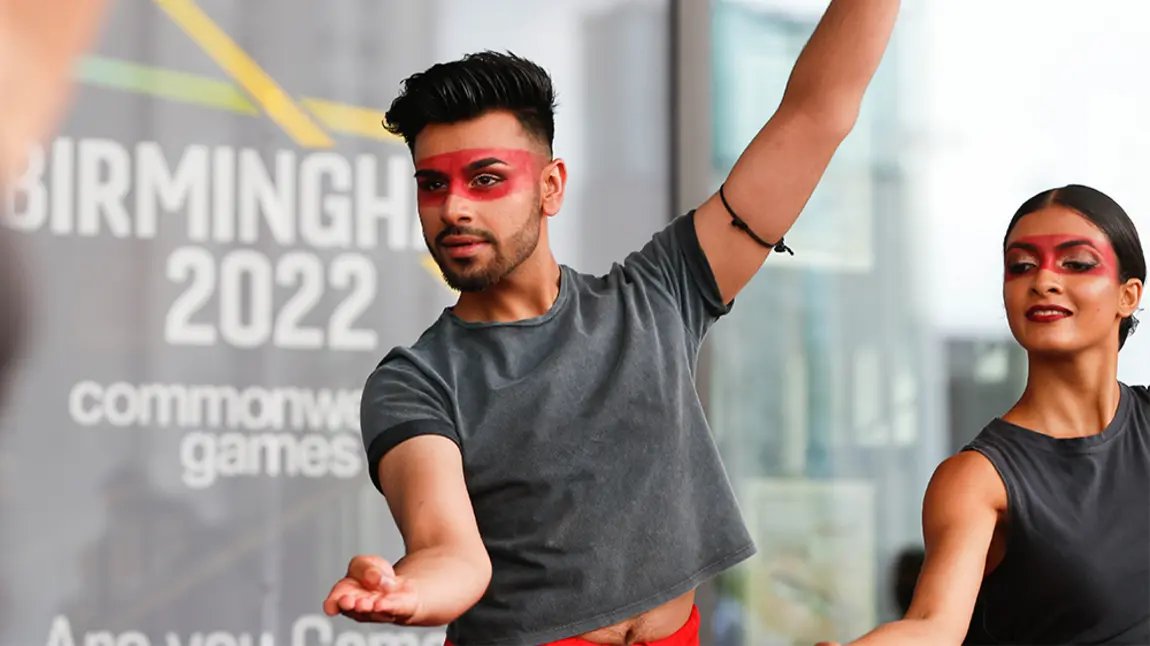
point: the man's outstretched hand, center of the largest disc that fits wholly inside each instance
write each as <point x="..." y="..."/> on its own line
<point x="372" y="592"/>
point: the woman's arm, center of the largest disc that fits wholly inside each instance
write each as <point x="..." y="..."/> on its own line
<point x="961" y="509"/>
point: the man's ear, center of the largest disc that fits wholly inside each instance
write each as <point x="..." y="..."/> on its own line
<point x="554" y="186"/>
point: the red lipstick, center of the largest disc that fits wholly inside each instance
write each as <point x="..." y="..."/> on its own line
<point x="1047" y="313"/>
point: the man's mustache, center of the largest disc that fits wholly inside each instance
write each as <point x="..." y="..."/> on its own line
<point x="464" y="231"/>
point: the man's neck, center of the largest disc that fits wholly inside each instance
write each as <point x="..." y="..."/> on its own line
<point x="526" y="293"/>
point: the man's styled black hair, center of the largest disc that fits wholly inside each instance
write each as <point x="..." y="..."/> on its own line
<point x="471" y="87"/>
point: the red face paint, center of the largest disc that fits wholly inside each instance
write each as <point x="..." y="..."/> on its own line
<point x="477" y="174"/>
<point x="1062" y="254"/>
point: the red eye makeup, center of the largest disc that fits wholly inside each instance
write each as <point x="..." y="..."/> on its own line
<point x="1062" y="254"/>
<point x="477" y="174"/>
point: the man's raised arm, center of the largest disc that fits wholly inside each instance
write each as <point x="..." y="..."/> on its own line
<point x="775" y="176"/>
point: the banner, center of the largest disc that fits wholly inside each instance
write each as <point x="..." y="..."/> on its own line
<point x="222" y="243"/>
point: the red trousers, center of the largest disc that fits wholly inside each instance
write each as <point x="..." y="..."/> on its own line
<point x="688" y="635"/>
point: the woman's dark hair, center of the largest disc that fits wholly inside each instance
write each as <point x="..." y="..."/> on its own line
<point x="1110" y="218"/>
<point x="471" y="87"/>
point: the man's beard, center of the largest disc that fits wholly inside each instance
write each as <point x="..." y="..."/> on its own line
<point x="475" y="277"/>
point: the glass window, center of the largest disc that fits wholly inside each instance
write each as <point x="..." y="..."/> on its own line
<point x="816" y="388"/>
<point x="846" y="373"/>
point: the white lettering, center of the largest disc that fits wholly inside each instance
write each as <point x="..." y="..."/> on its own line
<point x="311" y="623"/>
<point x="104" y="181"/>
<point x="308" y="630"/>
<point x="274" y="198"/>
<point x="302" y="270"/>
<point x="165" y="403"/>
<point x="314" y="205"/>
<point x="197" y="455"/>
<point x="223" y="638"/>
<point x="99" y="638"/>
<point x="196" y="639"/>
<point x="248" y="317"/>
<point x="224" y="195"/>
<point x="212" y="401"/>
<point x="63" y="186"/>
<point x="357" y="273"/>
<point x="132" y="638"/>
<point x="217" y="407"/>
<point x="346" y="461"/>
<point x="207" y="457"/>
<point x="276" y="452"/>
<point x="370" y="207"/>
<point x="314" y="456"/>
<point x="61" y="632"/>
<point x="417" y="241"/>
<point x="158" y="188"/>
<point x="323" y="200"/>
<point x="323" y="409"/>
<point x="251" y="328"/>
<point x="195" y="266"/>
<point x="27" y="201"/>
<point x="349" y="638"/>
<point x="120" y="407"/>
<point x="220" y="638"/>
<point x="265" y="409"/>
<point x="81" y="415"/>
<point x="318" y="630"/>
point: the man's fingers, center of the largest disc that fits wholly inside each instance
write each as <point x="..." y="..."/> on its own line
<point x="369" y="579"/>
<point x="382" y="604"/>
<point x="359" y="566"/>
<point x="351" y="601"/>
<point x="401" y="604"/>
<point x="371" y="607"/>
<point x="371" y="571"/>
<point x="389" y="585"/>
<point x="342" y="588"/>
<point x="365" y="603"/>
<point x="370" y="617"/>
<point x="338" y="591"/>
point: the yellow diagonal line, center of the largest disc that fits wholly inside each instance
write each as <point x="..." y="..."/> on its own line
<point x="349" y="119"/>
<point x="237" y="64"/>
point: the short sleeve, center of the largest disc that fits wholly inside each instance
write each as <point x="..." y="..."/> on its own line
<point x="674" y="261"/>
<point x="401" y="401"/>
<point x="1141" y="397"/>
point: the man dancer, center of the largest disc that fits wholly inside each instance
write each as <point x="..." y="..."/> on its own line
<point x="542" y="447"/>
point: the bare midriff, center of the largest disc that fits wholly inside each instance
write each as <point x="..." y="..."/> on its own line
<point x="655" y="624"/>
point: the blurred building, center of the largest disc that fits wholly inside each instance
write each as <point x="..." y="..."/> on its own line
<point x="818" y="384"/>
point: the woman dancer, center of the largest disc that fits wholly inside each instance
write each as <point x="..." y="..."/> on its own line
<point x="1044" y="518"/>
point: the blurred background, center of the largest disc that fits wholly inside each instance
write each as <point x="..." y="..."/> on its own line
<point x="224" y="243"/>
